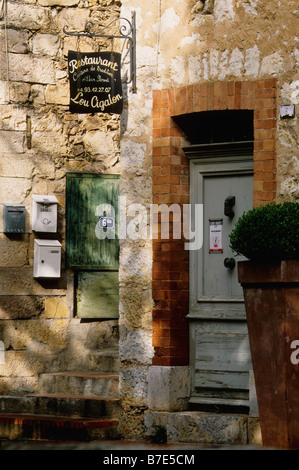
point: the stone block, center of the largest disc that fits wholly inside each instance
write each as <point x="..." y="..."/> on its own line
<point x="99" y="143"/>
<point x="44" y="168"/>
<point x="66" y="17"/>
<point x="45" y="44"/>
<point x="14" y="190"/>
<point x="133" y="383"/>
<point x="153" y="419"/>
<point x="26" y="68"/>
<point x="47" y="134"/>
<point x="61" y="3"/>
<point x="26" y="363"/>
<point x="12" y="117"/>
<point x="252" y="61"/>
<point x="12" y="141"/>
<point x="92" y="345"/>
<point x="16" y="386"/>
<point x="20" y="306"/>
<point x="17" y="41"/>
<point x="135" y="345"/>
<point x="136" y="304"/>
<point x="207" y="428"/>
<point x="14" y="251"/>
<point x="135" y="263"/>
<point x="80" y="383"/>
<point x="38" y="94"/>
<point x="10" y="165"/>
<point x="56" y="307"/>
<point x="27" y="17"/>
<point x="19" y="334"/>
<point x="4" y="92"/>
<point x="272" y="64"/>
<point x="20" y="281"/>
<point x="19" y="92"/>
<point x="94" y="336"/>
<point x="168" y="388"/>
<point x="58" y="94"/>
<point x="204" y="428"/>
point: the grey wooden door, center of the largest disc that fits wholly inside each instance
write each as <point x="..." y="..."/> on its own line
<point x="219" y="349"/>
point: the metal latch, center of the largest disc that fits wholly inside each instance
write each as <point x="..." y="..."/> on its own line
<point x="228" y="206"/>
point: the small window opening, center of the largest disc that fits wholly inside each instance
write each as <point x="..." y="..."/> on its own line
<point x="210" y="127"/>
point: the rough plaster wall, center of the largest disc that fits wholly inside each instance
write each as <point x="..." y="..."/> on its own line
<point x="236" y="40"/>
<point x="181" y="42"/>
<point x="36" y="318"/>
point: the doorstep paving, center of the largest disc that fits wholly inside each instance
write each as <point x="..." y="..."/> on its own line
<point x="120" y="445"/>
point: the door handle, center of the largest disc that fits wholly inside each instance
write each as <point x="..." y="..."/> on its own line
<point x="228" y="206"/>
<point x="229" y="263"/>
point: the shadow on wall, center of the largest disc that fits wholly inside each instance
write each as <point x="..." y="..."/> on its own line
<point x="35" y="321"/>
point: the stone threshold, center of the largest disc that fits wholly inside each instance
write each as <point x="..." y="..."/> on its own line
<point x="202" y="427"/>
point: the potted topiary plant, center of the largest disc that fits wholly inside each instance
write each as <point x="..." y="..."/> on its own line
<point x="268" y="236"/>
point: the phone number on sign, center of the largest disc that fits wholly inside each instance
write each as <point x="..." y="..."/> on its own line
<point x="95" y="89"/>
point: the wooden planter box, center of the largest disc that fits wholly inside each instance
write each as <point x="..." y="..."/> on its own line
<point x="271" y="293"/>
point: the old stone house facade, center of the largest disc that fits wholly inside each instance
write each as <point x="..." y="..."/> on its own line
<point x="213" y="81"/>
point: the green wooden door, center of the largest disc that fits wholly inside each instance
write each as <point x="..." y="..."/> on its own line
<point x="91" y="242"/>
<point x="92" y="245"/>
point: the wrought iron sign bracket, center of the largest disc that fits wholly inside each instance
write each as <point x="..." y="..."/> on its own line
<point x="127" y="31"/>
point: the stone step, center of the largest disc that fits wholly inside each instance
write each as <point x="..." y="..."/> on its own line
<point x="95" y="384"/>
<point x="61" y="405"/>
<point x="59" y="417"/>
<point x="71" y="406"/>
<point x="202" y="427"/>
<point x="37" y="427"/>
<point x="106" y="360"/>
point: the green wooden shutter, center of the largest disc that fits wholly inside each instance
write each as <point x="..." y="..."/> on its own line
<point x="97" y="294"/>
<point x="87" y="197"/>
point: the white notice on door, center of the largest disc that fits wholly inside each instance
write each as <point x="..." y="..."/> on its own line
<point x="216" y="236"/>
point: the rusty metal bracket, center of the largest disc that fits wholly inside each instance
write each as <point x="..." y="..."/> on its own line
<point x="127" y="31"/>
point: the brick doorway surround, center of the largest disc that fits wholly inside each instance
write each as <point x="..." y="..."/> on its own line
<point x="170" y="167"/>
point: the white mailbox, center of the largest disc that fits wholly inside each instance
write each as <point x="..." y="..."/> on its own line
<point x="44" y="213"/>
<point x="47" y="258"/>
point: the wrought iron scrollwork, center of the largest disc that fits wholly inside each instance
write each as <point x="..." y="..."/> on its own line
<point x="127" y="31"/>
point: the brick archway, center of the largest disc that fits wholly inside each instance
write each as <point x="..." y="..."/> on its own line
<point x="171" y="185"/>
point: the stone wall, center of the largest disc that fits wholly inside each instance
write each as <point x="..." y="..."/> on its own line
<point x="182" y="47"/>
<point x="37" y="323"/>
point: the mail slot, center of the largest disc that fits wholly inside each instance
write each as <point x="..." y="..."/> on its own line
<point x="14" y="218"/>
<point x="44" y="213"/>
<point x="47" y="258"/>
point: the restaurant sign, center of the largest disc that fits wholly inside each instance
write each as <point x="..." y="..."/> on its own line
<point x="95" y="82"/>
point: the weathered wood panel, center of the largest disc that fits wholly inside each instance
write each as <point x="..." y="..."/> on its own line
<point x="222" y="352"/>
<point x="222" y="379"/>
<point x="97" y="294"/>
<point x="221" y="359"/>
<point x="88" y="246"/>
